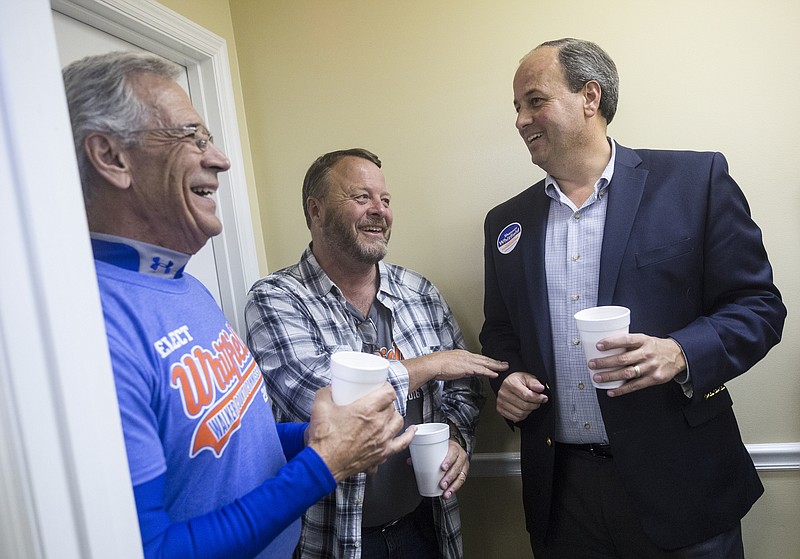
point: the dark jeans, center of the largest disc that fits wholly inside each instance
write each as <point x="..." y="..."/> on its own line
<point x="592" y="518"/>
<point x="411" y="537"/>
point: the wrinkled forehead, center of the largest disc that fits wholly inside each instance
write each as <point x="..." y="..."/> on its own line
<point x="351" y="172"/>
<point x="169" y="103"/>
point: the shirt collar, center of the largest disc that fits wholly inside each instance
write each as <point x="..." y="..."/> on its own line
<point x="315" y="278"/>
<point x="138" y="256"/>
<point x="554" y="191"/>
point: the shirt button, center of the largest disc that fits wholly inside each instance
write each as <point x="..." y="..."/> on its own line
<point x="576" y="257"/>
<point x="576" y="341"/>
<point x="577" y="215"/>
<point x="587" y="426"/>
<point x="575" y="297"/>
<point x="581" y="386"/>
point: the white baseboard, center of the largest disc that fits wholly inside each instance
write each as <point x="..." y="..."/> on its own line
<point x="775" y="456"/>
<point x="767" y="457"/>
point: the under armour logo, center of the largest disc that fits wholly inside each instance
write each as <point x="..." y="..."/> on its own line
<point x="157" y="264"/>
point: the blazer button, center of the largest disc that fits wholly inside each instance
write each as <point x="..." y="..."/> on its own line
<point x="549" y="441"/>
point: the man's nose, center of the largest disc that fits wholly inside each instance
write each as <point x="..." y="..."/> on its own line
<point x="377" y="207"/>
<point x="214" y="157"/>
<point x="524" y="118"/>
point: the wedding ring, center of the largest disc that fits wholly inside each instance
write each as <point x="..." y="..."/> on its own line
<point x="637" y="371"/>
<point x="463" y="474"/>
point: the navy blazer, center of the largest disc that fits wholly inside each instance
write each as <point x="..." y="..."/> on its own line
<point x="682" y="252"/>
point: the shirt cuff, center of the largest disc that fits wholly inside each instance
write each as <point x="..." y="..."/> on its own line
<point x="684" y="378"/>
<point x="456" y="435"/>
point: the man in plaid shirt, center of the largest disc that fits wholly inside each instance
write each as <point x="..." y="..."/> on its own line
<point x="342" y="296"/>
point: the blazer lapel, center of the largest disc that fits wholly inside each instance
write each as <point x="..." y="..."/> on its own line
<point x="624" y="196"/>
<point x="534" y="274"/>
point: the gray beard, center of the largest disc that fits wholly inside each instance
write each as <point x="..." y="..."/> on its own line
<point x="341" y="237"/>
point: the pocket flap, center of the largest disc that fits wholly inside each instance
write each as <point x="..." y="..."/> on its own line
<point x="709" y="406"/>
<point x="656" y="255"/>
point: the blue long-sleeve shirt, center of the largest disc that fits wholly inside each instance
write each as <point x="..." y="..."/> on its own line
<point x="213" y="474"/>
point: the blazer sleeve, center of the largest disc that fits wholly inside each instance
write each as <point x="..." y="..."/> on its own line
<point x="743" y="313"/>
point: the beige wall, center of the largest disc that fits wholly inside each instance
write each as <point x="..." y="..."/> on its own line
<point x="215" y="16"/>
<point x="427" y="86"/>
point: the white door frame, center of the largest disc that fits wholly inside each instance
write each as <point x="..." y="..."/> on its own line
<point x="153" y="27"/>
<point x="65" y="490"/>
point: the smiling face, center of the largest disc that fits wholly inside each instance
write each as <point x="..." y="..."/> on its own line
<point x="172" y="181"/>
<point x="550" y="118"/>
<point x="353" y="219"/>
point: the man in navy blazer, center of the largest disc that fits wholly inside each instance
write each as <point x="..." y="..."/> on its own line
<point x="656" y="467"/>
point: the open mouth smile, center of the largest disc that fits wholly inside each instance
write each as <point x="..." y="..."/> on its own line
<point x="532" y="138"/>
<point x="202" y="191"/>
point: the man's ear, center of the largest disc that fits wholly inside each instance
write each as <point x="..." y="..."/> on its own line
<point x="592" y="93"/>
<point x="313" y="207"/>
<point x="109" y="159"/>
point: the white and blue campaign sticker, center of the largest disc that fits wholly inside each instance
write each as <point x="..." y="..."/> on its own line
<point x="509" y="237"/>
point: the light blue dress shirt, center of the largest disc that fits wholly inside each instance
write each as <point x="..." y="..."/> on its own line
<point x="572" y="259"/>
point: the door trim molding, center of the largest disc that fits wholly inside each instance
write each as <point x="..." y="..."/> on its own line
<point x="153" y="27"/>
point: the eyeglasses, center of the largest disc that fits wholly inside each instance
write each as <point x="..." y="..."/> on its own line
<point x="369" y="335"/>
<point x="197" y="132"/>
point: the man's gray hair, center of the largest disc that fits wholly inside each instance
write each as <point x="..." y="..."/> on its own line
<point x="584" y="61"/>
<point x="101" y="99"/>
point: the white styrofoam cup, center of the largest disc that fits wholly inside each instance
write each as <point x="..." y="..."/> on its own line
<point x="596" y="323"/>
<point x="355" y="374"/>
<point x="428" y="451"/>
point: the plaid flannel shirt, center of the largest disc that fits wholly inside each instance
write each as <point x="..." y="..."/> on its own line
<point x="296" y="318"/>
